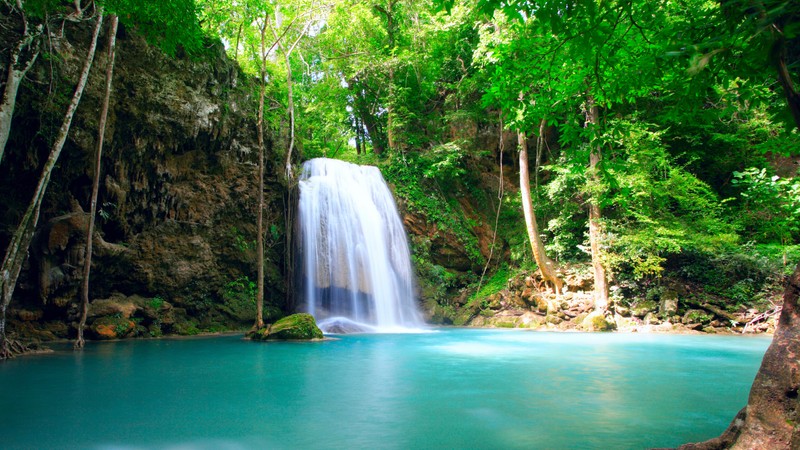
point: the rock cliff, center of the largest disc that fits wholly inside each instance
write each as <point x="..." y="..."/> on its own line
<point x="176" y="226"/>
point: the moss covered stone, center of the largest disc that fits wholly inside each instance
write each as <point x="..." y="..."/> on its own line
<point x="295" y="327"/>
<point x="598" y="322"/>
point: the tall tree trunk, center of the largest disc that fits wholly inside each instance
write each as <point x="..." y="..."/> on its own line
<point x="259" y="323"/>
<point x="539" y="149"/>
<point x="20" y="61"/>
<point x="287" y="52"/>
<point x="290" y="107"/>
<point x="546" y="265"/>
<point x="388" y="12"/>
<point x="770" y="419"/>
<point x="778" y="57"/>
<point x="358" y="134"/>
<point x="101" y="132"/>
<point x="390" y="132"/>
<point x="370" y="123"/>
<point x="18" y="247"/>
<point x="595" y="217"/>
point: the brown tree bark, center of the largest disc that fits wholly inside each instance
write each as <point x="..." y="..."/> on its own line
<point x="18" y="247"/>
<point x="546" y="265"/>
<point x="20" y="61"/>
<point x="259" y="323"/>
<point x="101" y="132"/>
<point x="595" y="217"/>
<point x="771" y="419"/>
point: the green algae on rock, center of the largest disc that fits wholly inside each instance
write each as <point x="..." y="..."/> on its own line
<point x="295" y="327"/>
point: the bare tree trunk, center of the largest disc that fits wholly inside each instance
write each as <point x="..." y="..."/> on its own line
<point x="546" y="265"/>
<point x="287" y="52"/>
<point x="595" y="217"/>
<point x="390" y="137"/>
<point x="21" y="60"/>
<point x="101" y="131"/>
<point x="358" y="134"/>
<point x="290" y="93"/>
<point x="770" y="419"/>
<point x="261" y="150"/>
<point x="18" y="247"/>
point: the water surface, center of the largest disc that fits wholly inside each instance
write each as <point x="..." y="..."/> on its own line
<point x="453" y="388"/>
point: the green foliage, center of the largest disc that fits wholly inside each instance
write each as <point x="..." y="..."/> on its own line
<point x="156" y="303"/>
<point x="239" y="299"/>
<point x="172" y="25"/>
<point x="241" y="242"/>
<point x="769" y="205"/>
<point x="435" y="281"/>
<point x="407" y="175"/>
<point x="445" y="163"/>
<point x="496" y="283"/>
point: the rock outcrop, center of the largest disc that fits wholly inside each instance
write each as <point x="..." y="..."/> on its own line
<point x="177" y="197"/>
<point x="297" y="327"/>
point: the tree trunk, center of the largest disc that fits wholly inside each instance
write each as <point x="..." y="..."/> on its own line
<point x="101" y="131"/>
<point x="771" y="418"/>
<point x="595" y="216"/>
<point x="290" y="93"/>
<point x="546" y="265"/>
<point x="778" y="57"/>
<point x="358" y="134"/>
<point x="287" y="52"/>
<point x="18" y="247"/>
<point x="259" y="323"/>
<point x="539" y="149"/>
<point x="389" y="116"/>
<point x="388" y="12"/>
<point x="20" y="61"/>
<point x="371" y="124"/>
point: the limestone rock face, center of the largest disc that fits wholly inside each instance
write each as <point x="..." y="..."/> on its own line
<point x="176" y="212"/>
<point x="301" y="327"/>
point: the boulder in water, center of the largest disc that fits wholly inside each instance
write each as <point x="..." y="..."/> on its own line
<point x="343" y="325"/>
<point x="300" y="327"/>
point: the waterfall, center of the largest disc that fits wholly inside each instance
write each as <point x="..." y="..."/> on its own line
<point x="356" y="266"/>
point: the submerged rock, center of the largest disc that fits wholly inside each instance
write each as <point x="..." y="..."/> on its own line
<point x="295" y="327"/>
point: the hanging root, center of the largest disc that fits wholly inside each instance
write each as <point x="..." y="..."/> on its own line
<point x="12" y="348"/>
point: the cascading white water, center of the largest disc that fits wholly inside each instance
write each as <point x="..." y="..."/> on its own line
<point x="356" y="264"/>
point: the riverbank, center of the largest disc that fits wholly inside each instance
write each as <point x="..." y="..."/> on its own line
<point x="523" y="301"/>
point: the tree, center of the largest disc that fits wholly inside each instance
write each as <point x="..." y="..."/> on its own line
<point x="259" y="323"/>
<point x="595" y="218"/>
<point x="101" y="128"/>
<point x="546" y="265"/>
<point x="287" y="50"/>
<point x="498" y="50"/>
<point x="22" y="58"/>
<point x="18" y="247"/>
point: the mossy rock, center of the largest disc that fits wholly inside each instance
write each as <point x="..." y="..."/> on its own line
<point x="598" y="322"/>
<point x="697" y="316"/>
<point x="642" y="308"/>
<point x="297" y="327"/>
